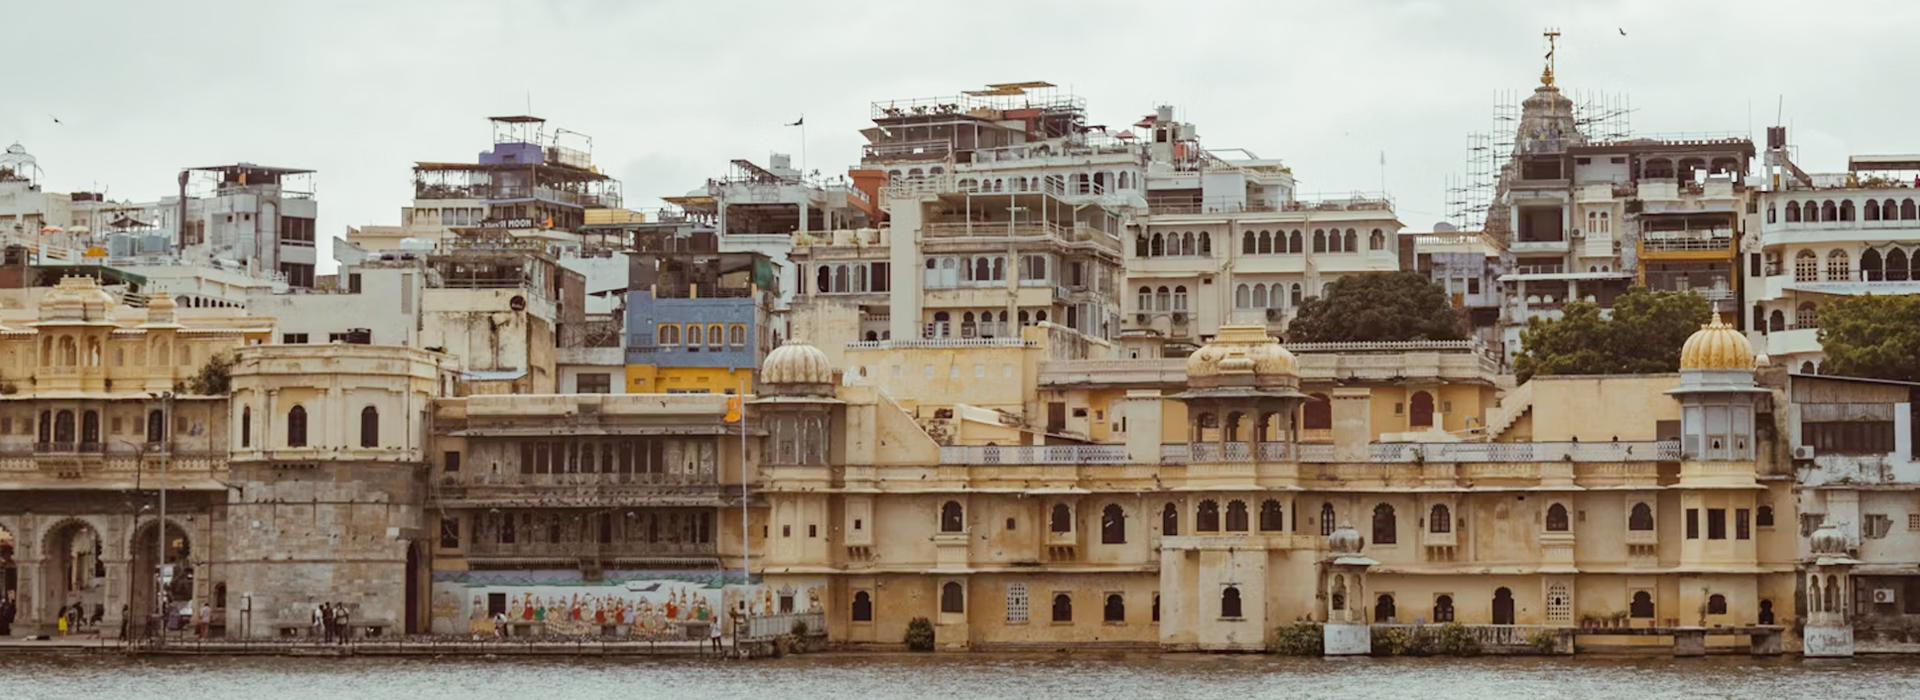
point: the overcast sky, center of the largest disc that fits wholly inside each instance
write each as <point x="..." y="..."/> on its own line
<point x="670" y="91"/>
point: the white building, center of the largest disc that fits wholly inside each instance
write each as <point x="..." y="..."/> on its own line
<point x="1824" y="236"/>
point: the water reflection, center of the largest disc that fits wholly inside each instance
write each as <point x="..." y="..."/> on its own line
<point x="895" y="676"/>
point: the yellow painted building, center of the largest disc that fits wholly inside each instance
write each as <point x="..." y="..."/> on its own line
<point x="1201" y="503"/>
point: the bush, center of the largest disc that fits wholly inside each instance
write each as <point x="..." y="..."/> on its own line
<point x="1452" y="639"/>
<point x="1302" y="638"/>
<point x="1544" y="642"/>
<point x="800" y="628"/>
<point x="920" y="634"/>
<point x="1404" y="641"/>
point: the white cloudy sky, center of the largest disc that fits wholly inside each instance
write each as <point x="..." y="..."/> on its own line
<point x="670" y="91"/>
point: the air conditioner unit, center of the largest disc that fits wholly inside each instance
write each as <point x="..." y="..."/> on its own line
<point x="1883" y="595"/>
<point x="1179" y="317"/>
<point x="1140" y="317"/>
<point x="1803" y="452"/>
<point x="1274" y="314"/>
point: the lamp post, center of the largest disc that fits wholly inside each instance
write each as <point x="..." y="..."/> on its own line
<point x="160" y="527"/>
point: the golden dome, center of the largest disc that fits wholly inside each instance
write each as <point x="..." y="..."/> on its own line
<point x="1716" y="346"/>
<point x="796" y="363"/>
<point x="1242" y="350"/>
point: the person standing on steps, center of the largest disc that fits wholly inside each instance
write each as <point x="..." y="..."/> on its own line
<point x="715" y="635"/>
<point x="8" y="609"/>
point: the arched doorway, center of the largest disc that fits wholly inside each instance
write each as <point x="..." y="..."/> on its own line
<point x="72" y="572"/>
<point x="1502" y="607"/>
<point x="417" y="614"/>
<point x="1420" y="410"/>
<point x="1383" y="611"/>
<point x="143" y="605"/>
<point x="9" y="575"/>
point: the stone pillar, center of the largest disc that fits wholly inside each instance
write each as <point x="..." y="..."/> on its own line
<point x="1352" y="423"/>
<point x="1347" y="632"/>
<point x="1690" y="641"/>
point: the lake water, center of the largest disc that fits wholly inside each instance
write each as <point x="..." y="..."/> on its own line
<point x="895" y="676"/>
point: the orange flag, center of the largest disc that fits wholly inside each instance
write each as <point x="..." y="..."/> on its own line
<point x="733" y="409"/>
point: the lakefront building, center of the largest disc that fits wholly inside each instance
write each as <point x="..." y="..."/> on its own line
<point x="1205" y="512"/>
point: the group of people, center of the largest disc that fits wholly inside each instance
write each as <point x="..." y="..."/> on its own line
<point x="73" y="617"/>
<point x="330" y="622"/>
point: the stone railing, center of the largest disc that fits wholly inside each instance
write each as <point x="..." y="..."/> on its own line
<point x="1638" y="451"/>
<point x="1033" y="454"/>
<point x="770" y="626"/>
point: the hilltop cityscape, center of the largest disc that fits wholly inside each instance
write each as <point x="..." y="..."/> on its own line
<point x="1017" y="380"/>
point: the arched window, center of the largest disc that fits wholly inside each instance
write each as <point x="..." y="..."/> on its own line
<point x="696" y="336"/>
<point x="1319" y="240"/>
<point x="1443" y="609"/>
<point x="246" y="426"/>
<point x="1352" y="242"/>
<point x="1180" y="298"/>
<point x="1113" y="525"/>
<point x="1793" y="212"/>
<point x="1236" y="516"/>
<point x="1806" y="367"/>
<point x="63" y="427"/>
<point x="1806" y="316"/>
<point x="1383" y="609"/>
<point x="1777" y="320"/>
<point x="157" y="425"/>
<point x="1188" y="246"/>
<point x="1439" y="519"/>
<point x="1812" y="210"/>
<point x="1317" y="413"/>
<point x="1159" y="247"/>
<point x="1846" y="210"/>
<point x="297" y="426"/>
<point x="1870" y="212"/>
<point x="1386" y="529"/>
<point x="1062" y="607"/>
<point x="1839" y="267"/>
<point x="1116" y="609"/>
<point x="1140" y="246"/>
<point x="950" y="517"/>
<point x="1243" y="296"/>
<point x="1170" y="521"/>
<point x="1420" y="410"/>
<point x="1377" y="241"/>
<point x="1061" y="518"/>
<point x="1266" y="242"/>
<point x="1829" y="212"/>
<point x="1766" y="612"/>
<point x="1641" y="518"/>
<point x="1145" y="301"/>
<point x="1247" y="242"/>
<point x="862" y="607"/>
<point x="1163" y="299"/>
<point x="952" y="599"/>
<point x="1502" y="606"/>
<point x="369" y="427"/>
<point x="1907" y="210"/>
<point x="1716" y="603"/>
<point x="1294" y="298"/>
<point x="1870" y="265"/>
<point x="1326" y="519"/>
<point x="1272" y="517"/>
<point x="1763" y="517"/>
<point x="1830" y="595"/>
<point x="1206" y="243"/>
<point x="1259" y="297"/>
<point x="1230" y="602"/>
<point x="1337" y="598"/>
<point x="1557" y="518"/>
<point x="1208" y="519"/>
<point x="1896" y="269"/>
<point x="1806" y="266"/>
<point x="1642" y="605"/>
<point x="1295" y="242"/>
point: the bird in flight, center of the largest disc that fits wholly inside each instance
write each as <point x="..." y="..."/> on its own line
<point x="1623" y="32"/>
<point x="55" y="119"/>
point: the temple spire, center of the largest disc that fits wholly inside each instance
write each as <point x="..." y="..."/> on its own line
<point x="1546" y="76"/>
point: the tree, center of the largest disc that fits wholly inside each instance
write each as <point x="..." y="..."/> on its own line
<point x="1643" y="336"/>
<point x="214" y="378"/>
<point x="1378" y="307"/>
<point x="1872" y="336"/>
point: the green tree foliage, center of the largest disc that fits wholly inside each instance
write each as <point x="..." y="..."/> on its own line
<point x="919" y="634"/>
<point x="1378" y="307"/>
<point x="1643" y="336"/>
<point x="214" y="378"/>
<point x="1872" y="336"/>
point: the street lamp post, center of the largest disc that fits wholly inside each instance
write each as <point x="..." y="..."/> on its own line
<point x="160" y="527"/>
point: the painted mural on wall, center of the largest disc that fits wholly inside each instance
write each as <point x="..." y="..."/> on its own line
<point x="627" y="603"/>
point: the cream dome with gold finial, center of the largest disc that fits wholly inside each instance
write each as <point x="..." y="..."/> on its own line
<point x="1717" y="346"/>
